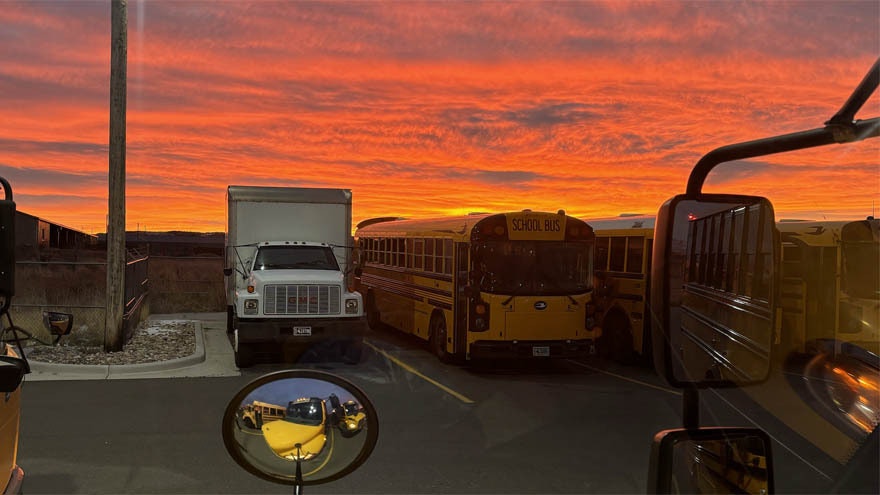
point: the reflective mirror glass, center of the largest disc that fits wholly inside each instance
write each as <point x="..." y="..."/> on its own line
<point x="725" y="465"/>
<point x="716" y="296"/>
<point x="314" y="419"/>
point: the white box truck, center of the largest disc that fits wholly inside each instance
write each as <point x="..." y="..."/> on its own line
<point x="288" y="258"/>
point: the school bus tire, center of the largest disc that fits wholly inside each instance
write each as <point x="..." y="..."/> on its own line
<point x="230" y="319"/>
<point x="616" y="340"/>
<point x="374" y="320"/>
<point x="249" y="423"/>
<point x="438" y="337"/>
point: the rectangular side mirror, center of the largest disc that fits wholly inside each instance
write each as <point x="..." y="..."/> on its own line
<point x="713" y="290"/>
<point x="711" y="460"/>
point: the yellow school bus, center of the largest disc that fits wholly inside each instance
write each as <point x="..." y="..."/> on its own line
<point x="505" y="285"/>
<point x="830" y="300"/>
<point x="829" y="286"/>
<point x="257" y="412"/>
<point x="623" y="267"/>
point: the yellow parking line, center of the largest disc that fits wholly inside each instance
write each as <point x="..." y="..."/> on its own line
<point x="633" y="380"/>
<point x="418" y="374"/>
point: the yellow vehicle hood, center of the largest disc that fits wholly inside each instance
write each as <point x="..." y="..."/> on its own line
<point x="282" y="437"/>
<point x="354" y="419"/>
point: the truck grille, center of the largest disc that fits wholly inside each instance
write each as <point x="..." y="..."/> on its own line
<point x="302" y="300"/>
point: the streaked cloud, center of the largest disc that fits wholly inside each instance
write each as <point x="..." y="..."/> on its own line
<point x="427" y="108"/>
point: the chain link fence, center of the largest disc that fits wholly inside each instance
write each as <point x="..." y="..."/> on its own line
<point x="78" y="288"/>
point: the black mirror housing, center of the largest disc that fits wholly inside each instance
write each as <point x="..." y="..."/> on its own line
<point x="7" y="246"/>
<point x="12" y="371"/>
<point x="227" y="272"/>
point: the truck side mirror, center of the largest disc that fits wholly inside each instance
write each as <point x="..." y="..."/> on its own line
<point x="711" y="460"/>
<point x="227" y="272"/>
<point x="713" y="290"/>
<point x="7" y="246"/>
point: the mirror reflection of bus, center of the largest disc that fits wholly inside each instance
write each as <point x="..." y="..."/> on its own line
<point x="300" y="433"/>
<point x="352" y="419"/>
<point x="297" y="441"/>
<point x="711" y="460"/>
<point x="714" y="263"/>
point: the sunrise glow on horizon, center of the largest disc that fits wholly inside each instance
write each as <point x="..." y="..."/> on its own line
<point x="425" y="109"/>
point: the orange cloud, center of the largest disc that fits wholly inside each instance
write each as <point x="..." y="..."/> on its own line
<point x="430" y="108"/>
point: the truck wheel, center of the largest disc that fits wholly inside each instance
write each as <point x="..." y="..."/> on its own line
<point x="438" y="337"/>
<point x="373" y="319"/>
<point x="230" y="315"/>
<point x="244" y="356"/>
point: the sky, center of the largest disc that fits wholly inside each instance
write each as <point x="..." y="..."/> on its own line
<point x="427" y="109"/>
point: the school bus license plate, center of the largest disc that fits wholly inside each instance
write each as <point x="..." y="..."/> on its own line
<point x="541" y="351"/>
<point x="302" y="331"/>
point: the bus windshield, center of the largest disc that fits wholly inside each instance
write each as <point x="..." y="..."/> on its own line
<point x="295" y="257"/>
<point x="305" y="413"/>
<point x="534" y="267"/>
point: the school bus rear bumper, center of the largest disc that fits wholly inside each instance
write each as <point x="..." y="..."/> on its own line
<point x="526" y="349"/>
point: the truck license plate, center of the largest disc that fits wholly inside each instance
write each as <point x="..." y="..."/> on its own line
<point x="302" y="331"/>
<point x="541" y="351"/>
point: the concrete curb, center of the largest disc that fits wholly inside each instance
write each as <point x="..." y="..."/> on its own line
<point x="92" y="370"/>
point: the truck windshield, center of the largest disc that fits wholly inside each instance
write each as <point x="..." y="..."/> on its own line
<point x="295" y="257"/>
<point x="534" y="267"/>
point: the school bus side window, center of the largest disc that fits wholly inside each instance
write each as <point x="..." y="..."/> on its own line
<point x="429" y="255"/>
<point x="447" y="256"/>
<point x="602" y="253"/>
<point x="635" y="254"/>
<point x="618" y="254"/>
<point x="418" y="254"/>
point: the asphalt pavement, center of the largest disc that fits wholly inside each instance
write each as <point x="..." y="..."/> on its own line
<point x="213" y="357"/>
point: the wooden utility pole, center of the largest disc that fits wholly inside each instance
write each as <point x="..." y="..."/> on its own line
<point x="116" y="218"/>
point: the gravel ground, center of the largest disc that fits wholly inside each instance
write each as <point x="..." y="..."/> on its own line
<point x="155" y="340"/>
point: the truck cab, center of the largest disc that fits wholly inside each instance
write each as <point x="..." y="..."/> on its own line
<point x="288" y="252"/>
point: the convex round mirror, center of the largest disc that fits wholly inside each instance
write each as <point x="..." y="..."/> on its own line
<point x="300" y="427"/>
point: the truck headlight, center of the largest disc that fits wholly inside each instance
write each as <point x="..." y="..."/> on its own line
<point x="351" y="306"/>
<point x="250" y="306"/>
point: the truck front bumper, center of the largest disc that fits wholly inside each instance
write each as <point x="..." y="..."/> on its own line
<point x="286" y="331"/>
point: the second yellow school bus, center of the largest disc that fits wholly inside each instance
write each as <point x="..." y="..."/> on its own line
<point x="505" y="285"/>
<point x="623" y="267"/>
